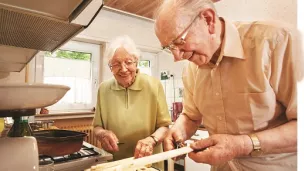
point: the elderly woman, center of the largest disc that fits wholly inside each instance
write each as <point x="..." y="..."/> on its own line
<point x="131" y="117"/>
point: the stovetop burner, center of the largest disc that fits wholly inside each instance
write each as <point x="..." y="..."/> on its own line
<point x="89" y="155"/>
<point x="82" y="153"/>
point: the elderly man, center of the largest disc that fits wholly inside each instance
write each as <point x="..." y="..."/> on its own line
<point x="132" y="116"/>
<point x="240" y="81"/>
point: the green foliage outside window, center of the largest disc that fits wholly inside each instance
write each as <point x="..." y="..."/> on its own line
<point x="69" y="55"/>
<point x="144" y="63"/>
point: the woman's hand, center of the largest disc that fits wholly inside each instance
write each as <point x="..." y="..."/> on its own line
<point x="220" y="148"/>
<point x="144" y="147"/>
<point x="108" y="140"/>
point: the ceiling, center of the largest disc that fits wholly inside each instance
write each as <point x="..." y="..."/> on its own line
<point x="144" y="8"/>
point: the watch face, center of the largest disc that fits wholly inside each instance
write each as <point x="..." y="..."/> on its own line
<point x="256" y="153"/>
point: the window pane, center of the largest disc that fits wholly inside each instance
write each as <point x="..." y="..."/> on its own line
<point x="72" y="69"/>
<point x="145" y="67"/>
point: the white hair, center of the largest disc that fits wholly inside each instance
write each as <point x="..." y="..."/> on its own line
<point x="125" y="42"/>
<point x="187" y="7"/>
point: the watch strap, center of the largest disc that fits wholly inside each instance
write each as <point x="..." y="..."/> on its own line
<point x="156" y="140"/>
<point x="256" y="145"/>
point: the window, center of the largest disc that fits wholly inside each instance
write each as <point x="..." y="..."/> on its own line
<point x="72" y="69"/>
<point x="147" y="63"/>
<point x="74" y="65"/>
<point x="145" y="66"/>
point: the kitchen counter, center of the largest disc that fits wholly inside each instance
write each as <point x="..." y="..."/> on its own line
<point x="66" y="115"/>
<point x="191" y="165"/>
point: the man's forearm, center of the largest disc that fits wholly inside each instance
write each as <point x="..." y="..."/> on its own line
<point x="282" y="139"/>
<point x="190" y="126"/>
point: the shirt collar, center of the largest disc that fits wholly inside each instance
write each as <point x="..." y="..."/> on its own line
<point x="137" y="85"/>
<point x="232" y="45"/>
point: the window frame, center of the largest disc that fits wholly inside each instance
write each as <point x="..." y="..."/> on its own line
<point x="152" y="57"/>
<point x="95" y="51"/>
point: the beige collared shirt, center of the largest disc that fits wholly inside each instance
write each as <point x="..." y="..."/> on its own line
<point x="252" y="87"/>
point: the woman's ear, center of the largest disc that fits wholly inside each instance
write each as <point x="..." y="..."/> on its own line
<point x="209" y="16"/>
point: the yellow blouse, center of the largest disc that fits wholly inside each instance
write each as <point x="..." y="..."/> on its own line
<point x="132" y="113"/>
<point x="1" y="124"/>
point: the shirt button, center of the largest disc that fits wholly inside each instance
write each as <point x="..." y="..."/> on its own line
<point x="219" y="118"/>
<point x="217" y="93"/>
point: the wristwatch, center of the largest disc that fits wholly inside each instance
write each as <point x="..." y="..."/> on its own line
<point x="257" y="151"/>
<point x="156" y="140"/>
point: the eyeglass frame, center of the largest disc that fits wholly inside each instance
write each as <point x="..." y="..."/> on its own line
<point x="171" y="46"/>
<point x="122" y="63"/>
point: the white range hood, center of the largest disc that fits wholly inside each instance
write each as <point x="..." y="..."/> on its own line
<point x="27" y="27"/>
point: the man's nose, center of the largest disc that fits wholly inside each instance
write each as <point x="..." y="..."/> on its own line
<point x="177" y="54"/>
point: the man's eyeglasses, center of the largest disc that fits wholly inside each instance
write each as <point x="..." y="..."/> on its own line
<point x="180" y="40"/>
<point x="118" y="65"/>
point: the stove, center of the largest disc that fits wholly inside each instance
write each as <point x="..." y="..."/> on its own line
<point x="86" y="157"/>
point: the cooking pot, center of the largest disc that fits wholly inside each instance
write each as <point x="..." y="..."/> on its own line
<point x="58" y="142"/>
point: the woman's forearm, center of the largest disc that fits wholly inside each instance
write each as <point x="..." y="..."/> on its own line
<point x="98" y="131"/>
<point x="160" y="133"/>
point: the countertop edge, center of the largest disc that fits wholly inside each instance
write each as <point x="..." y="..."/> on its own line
<point x="60" y="116"/>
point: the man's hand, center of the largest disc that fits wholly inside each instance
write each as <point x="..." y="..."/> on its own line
<point x="108" y="140"/>
<point x="144" y="147"/>
<point x="174" y="136"/>
<point x="220" y="148"/>
<point x="183" y="129"/>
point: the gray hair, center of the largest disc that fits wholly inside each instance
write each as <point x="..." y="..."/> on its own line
<point x="187" y="7"/>
<point x="125" y="42"/>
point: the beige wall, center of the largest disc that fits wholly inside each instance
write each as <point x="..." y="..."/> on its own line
<point x="250" y="10"/>
<point x="109" y="24"/>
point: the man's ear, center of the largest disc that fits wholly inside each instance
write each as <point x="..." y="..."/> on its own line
<point x="209" y="16"/>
